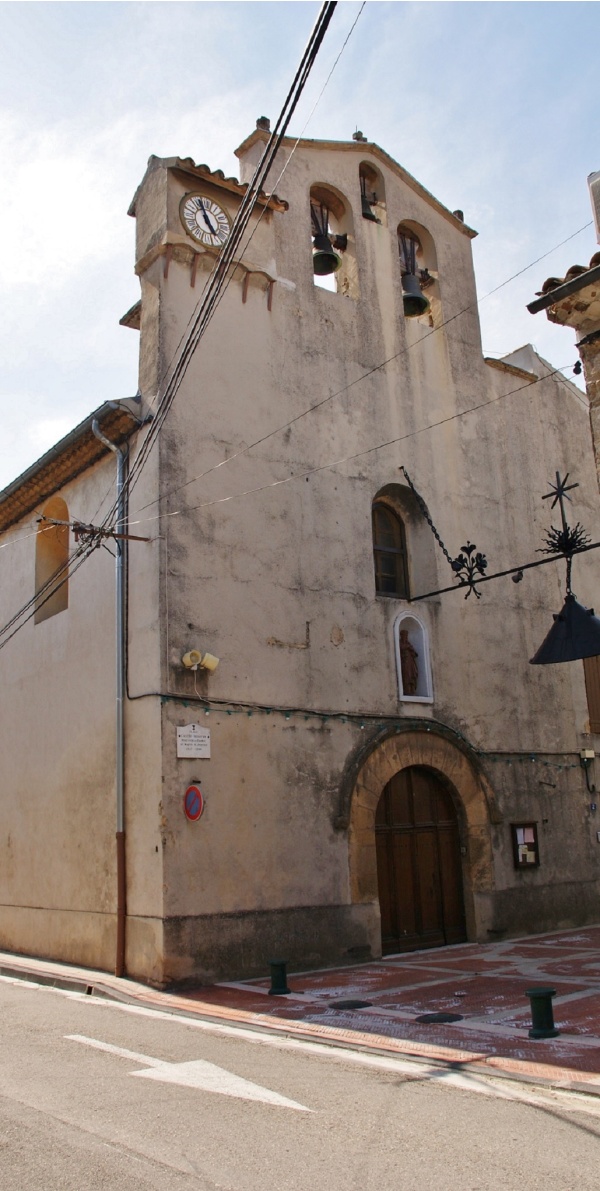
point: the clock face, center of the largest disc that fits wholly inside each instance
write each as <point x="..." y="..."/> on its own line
<point x="204" y="220"/>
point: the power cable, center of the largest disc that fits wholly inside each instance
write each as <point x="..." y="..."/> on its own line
<point x="47" y="590"/>
<point x="273" y="190"/>
<point x="349" y="458"/>
<point x="275" y="186"/>
<point x="211" y="300"/>
<point x="110" y="514"/>
<point x="219" y="276"/>
<point x="67" y="570"/>
<point x="204" y="312"/>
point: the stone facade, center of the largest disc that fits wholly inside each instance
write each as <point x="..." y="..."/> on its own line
<point x="262" y="555"/>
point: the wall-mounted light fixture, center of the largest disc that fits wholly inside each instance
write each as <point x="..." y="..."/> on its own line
<point x="194" y="659"/>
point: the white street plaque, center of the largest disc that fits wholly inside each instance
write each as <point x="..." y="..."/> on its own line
<point x="193" y="741"/>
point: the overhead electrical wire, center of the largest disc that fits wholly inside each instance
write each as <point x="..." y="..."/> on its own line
<point x="323" y="467"/>
<point x="349" y="458"/>
<point x="83" y="552"/>
<point x="275" y="186"/>
<point x="40" y="528"/>
<point x="219" y="276"/>
<point x="44" y="593"/>
<point x="217" y="281"/>
<point x="273" y="190"/>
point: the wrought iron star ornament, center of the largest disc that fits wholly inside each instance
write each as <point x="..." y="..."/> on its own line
<point x="568" y="539"/>
<point x="558" y="495"/>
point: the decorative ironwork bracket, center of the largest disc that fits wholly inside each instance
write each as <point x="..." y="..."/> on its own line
<point x="471" y="565"/>
<point x="467" y="565"/>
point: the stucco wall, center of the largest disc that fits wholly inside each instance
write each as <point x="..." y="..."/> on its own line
<point x="266" y="562"/>
<point x="279" y="583"/>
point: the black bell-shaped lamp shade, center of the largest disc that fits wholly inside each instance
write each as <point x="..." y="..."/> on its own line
<point x="575" y="634"/>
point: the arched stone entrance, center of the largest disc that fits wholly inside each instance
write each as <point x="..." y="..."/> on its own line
<point x="419" y="863"/>
<point x="431" y="748"/>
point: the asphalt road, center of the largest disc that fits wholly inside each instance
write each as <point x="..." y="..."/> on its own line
<point x="98" y="1095"/>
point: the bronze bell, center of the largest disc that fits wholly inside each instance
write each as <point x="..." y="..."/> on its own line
<point x="325" y="260"/>
<point x="367" y="210"/>
<point x="575" y="634"/>
<point x="413" y="299"/>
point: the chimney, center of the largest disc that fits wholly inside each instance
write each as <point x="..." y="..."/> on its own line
<point x="594" y="185"/>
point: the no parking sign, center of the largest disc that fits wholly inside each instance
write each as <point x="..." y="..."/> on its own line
<point x="193" y="803"/>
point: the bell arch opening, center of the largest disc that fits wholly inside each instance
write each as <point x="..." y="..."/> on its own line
<point x="333" y="247"/>
<point x="451" y="767"/>
<point x="419" y="270"/>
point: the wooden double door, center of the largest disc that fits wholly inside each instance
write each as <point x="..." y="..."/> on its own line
<point x="418" y="863"/>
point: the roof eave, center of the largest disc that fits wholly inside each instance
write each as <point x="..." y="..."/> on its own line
<point x="564" y="291"/>
<point x="72" y="455"/>
<point x="363" y="147"/>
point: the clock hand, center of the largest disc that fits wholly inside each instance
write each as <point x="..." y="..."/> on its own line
<point x="208" y="223"/>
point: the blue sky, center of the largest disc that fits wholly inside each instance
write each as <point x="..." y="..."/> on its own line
<point x="492" y="106"/>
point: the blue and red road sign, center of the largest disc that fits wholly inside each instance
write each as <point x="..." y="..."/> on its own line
<point x="193" y="803"/>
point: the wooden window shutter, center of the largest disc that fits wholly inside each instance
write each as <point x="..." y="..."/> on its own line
<point x="591" y="669"/>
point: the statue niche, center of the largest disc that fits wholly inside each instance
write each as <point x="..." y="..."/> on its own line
<point x="411" y="643"/>
<point x="409" y="664"/>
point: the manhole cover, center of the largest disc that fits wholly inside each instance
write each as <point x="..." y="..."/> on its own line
<point x="439" y="1017"/>
<point x="350" y="1004"/>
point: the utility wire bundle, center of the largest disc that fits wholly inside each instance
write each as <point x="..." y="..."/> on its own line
<point x="219" y="279"/>
<point x="216" y="285"/>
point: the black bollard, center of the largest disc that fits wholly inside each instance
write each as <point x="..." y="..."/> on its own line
<point x="279" y="986"/>
<point x="542" y="1017"/>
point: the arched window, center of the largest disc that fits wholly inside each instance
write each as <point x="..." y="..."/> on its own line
<point x="389" y="552"/>
<point x="51" y="562"/>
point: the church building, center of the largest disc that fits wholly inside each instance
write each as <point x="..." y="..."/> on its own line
<point x="326" y="750"/>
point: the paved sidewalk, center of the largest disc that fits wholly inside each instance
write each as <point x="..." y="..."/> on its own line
<point x="484" y="984"/>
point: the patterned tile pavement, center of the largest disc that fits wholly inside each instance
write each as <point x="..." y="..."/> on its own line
<point x="486" y="984"/>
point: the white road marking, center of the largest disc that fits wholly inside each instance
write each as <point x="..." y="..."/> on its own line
<point x="483" y="1084"/>
<point x="195" y="1074"/>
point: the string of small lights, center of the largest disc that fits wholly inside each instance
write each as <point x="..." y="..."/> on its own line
<point x="361" y="720"/>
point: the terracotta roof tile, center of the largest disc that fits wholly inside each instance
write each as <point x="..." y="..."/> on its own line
<point x="575" y="271"/>
<point x="187" y="166"/>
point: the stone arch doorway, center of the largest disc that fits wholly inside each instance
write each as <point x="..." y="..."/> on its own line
<point x="419" y="865"/>
<point x="428" y="745"/>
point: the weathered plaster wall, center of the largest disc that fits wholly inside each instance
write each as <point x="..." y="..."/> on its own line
<point x="276" y="578"/>
<point x="266" y="561"/>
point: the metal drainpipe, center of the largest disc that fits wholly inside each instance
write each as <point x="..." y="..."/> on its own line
<point x="121" y="548"/>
